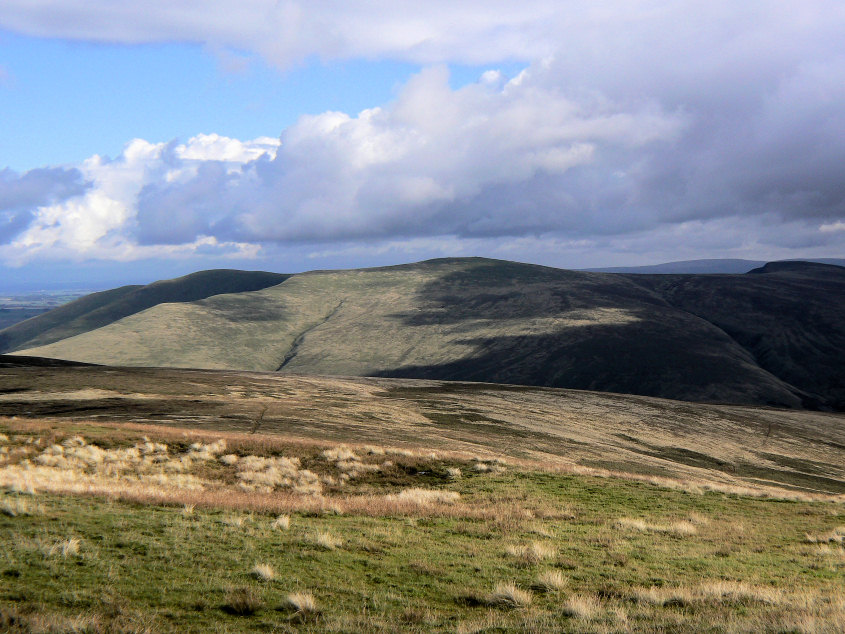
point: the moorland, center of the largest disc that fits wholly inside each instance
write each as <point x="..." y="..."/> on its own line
<point x="157" y="500"/>
<point x="774" y="336"/>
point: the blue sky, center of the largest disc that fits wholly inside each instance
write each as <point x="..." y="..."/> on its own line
<point x="146" y="142"/>
<point x="63" y="101"/>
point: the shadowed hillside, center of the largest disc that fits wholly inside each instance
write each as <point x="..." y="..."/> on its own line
<point x="772" y="337"/>
<point x="100" y="309"/>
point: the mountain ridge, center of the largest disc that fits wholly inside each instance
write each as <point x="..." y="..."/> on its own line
<point x="774" y="337"/>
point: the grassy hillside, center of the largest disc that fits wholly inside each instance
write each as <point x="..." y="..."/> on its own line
<point x="473" y="319"/>
<point x="717" y="444"/>
<point x="100" y="309"/>
<point x="142" y="500"/>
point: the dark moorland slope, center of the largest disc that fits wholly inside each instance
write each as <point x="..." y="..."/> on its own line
<point x="775" y="336"/>
<point x="100" y="309"/>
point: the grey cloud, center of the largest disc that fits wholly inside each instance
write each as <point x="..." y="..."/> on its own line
<point x="170" y="214"/>
<point x="21" y="194"/>
<point x="641" y="119"/>
<point x="12" y="224"/>
<point x="37" y="187"/>
<point x="531" y="159"/>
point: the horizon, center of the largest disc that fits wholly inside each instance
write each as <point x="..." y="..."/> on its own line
<point x="699" y="266"/>
<point x="140" y="143"/>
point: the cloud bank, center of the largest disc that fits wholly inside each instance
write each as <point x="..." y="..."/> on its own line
<point x="636" y="125"/>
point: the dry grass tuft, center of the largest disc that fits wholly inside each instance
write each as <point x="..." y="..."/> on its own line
<point x="532" y="554"/>
<point x="18" y="506"/>
<point x="678" y="529"/>
<point x="235" y="521"/>
<point x="453" y="473"/>
<point x="243" y="601"/>
<point x="188" y="510"/>
<point x="508" y="595"/>
<point x="303" y="603"/>
<point x="424" y="497"/>
<point x="66" y="548"/>
<point x="834" y="536"/>
<point x="263" y="572"/>
<point x="281" y="523"/>
<point x="711" y="592"/>
<point x="581" y="606"/>
<point x="325" y="540"/>
<point x="549" y="581"/>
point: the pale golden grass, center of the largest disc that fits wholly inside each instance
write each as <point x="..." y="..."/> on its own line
<point x="453" y="473"/>
<point x="508" y="595"/>
<point x="831" y="557"/>
<point x="66" y="548"/>
<point x="698" y="519"/>
<point x="302" y="603"/>
<point x="424" y="497"/>
<point x="118" y="619"/>
<point x="581" y="606"/>
<point x="264" y="572"/>
<point x="549" y="581"/>
<point x="717" y="591"/>
<point x="282" y="523"/>
<point x="235" y="521"/>
<point x="531" y="554"/>
<point x="539" y="529"/>
<point x="188" y="509"/>
<point x="325" y="540"/>
<point x="165" y="486"/>
<point x="491" y="622"/>
<point x="836" y="535"/>
<point x="18" y="506"/>
<point x="242" y="442"/>
<point x="159" y="493"/>
<point x="678" y="529"/>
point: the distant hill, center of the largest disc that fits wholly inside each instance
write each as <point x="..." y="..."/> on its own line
<point x="700" y="266"/>
<point x="773" y="337"/>
<point x="100" y="309"/>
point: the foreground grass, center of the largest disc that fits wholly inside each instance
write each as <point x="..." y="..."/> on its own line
<point x="549" y="552"/>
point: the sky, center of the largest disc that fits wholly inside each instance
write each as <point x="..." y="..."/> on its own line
<point x="141" y="141"/>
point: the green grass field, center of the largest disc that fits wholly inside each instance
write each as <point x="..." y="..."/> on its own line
<point x="130" y="551"/>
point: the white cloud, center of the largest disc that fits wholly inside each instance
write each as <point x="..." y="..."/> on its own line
<point x="713" y="128"/>
<point x="616" y="33"/>
<point x="832" y="227"/>
<point x="97" y="221"/>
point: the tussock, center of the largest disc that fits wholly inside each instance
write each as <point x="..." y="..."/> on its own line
<point x="325" y="540"/>
<point x="508" y="595"/>
<point x="281" y="523"/>
<point x="235" y="521"/>
<point x="424" y="497"/>
<point x="710" y="592"/>
<point x="264" y="572"/>
<point x="531" y="554"/>
<point x="581" y="606"/>
<point x="303" y="603"/>
<point x="19" y="506"/>
<point x="549" y="581"/>
<point x="66" y="548"/>
<point x="243" y="601"/>
<point x="678" y="529"/>
<point x="836" y="535"/>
